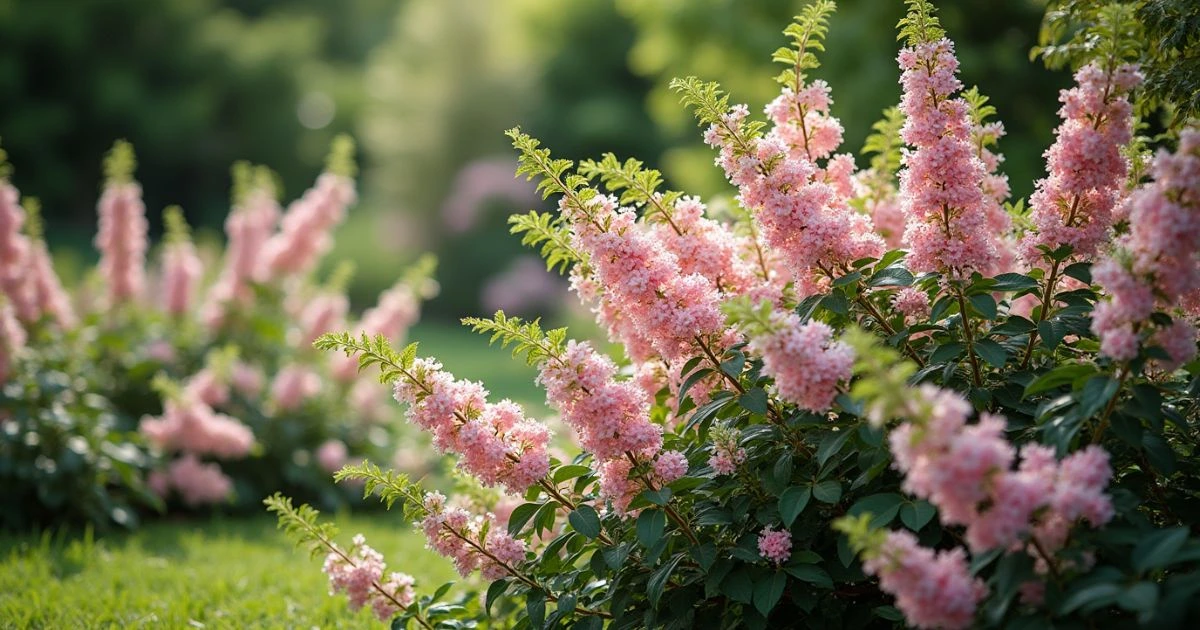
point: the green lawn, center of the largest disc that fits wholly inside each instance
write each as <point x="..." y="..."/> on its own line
<point x="225" y="573"/>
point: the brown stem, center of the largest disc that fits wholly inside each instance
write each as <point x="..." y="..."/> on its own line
<point x="671" y="513"/>
<point x="1050" y="563"/>
<point x="968" y="336"/>
<point x="1047" y="298"/>
<point x="328" y="544"/>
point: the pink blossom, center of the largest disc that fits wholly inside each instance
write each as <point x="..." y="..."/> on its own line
<point x="191" y="426"/>
<point x="805" y="361"/>
<point x="1074" y="205"/>
<point x="391" y="317"/>
<point x="247" y="228"/>
<point x="182" y="271"/>
<point x="122" y="240"/>
<point x="727" y="455"/>
<point x="670" y="466"/>
<point x="304" y="232"/>
<point x="46" y="289"/>
<point x="14" y="256"/>
<point x="322" y="313"/>
<point x="332" y="455"/>
<point x="775" y="545"/>
<point x="247" y="379"/>
<point x="12" y="338"/>
<point x="932" y="589"/>
<point x="912" y="302"/>
<point x="293" y="386"/>
<point x="359" y="574"/>
<point x="199" y="483"/>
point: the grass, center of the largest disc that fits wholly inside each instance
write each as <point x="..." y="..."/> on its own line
<point x="225" y="572"/>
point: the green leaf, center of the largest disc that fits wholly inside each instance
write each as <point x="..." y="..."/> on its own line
<point x="1052" y="333"/>
<point x="659" y="579"/>
<point x="571" y="471"/>
<point x="650" y="526"/>
<point x="991" y="352"/>
<point x="662" y="496"/>
<point x="1059" y="376"/>
<point x="1097" y="391"/>
<point x="828" y="491"/>
<point x="1093" y="597"/>
<point x="768" y="591"/>
<point x="495" y="590"/>
<point x="883" y="508"/>
<point x="916" y="515"/>
<point x="984" y="304"/>
<point x="754" y="401"/>
<point x="1013" y="282"/>
<point x="892" y="276"/>
<point x="585" y="520"/>
<point x="1014" y="325"/>
<point x="810" y="573"/>
<point x="792" y="502"/>
<point x="947" y="352"/>
<point x="831" y="445"/>
<point x="1081" y="271"/>
<point x="1140" y="597"/>
<point x="1158" y="549"/>
<point x="535" y="607"/>
<point x="738" y="586"/>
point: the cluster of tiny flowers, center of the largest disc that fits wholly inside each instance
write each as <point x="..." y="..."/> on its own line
<point x="934" y="589"/>
<point x="706" y="247"/>
<point x="304" y="231"/>
<point x="332" y="455"/>
<point x="805" y="361"/>
<point x="1157" y="262"/>
<point x="197" y="483"/>
<point x="247" y="229"/>
<point x="912" y="302"/>
<point x="293" y="386"/>
<point x="1075" y="204"/>
<point x="801" y="207"/>
<point x="966" y="471"/>
<point x="727" y="455"/>
<point x="775" y="545"/>
<point x="12" y="338"/>
<point x="27" y="276"/>
<point x="941" y="183"/>
<point x="496" y="442"/>
<point x="122" y="240"/>
<point x="359" y="574"/>
<point x="320" y="314"/>
<point x="181" y="273"/>
<point x="642" y="280"/>
<point x="189" y="424"/>
<point x="391" y="317"/>
<point x="454" y="533"/>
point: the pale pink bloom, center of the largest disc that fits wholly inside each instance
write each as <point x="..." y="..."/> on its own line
<point x="199" y="483"/>
<point x="912" y="302"/>
<point x="293" y="386"/>
<point x="247" y="379"/>
<point x="14" y="256"/>
<point x="122" y="240"/>
<point x="359" y="574"/>
<point x="523" y="287"/>
<point x="400" y="585"/>
<point x="208" y="386"/>
<point x="332" y="455"/>
<point x="396" y="311"/>
<point x="181" y="275"/>
<point x="775" y="545"/>
<point x="805" y="361"/>
<point x="322" y="313"/>
<point x="247" y="228"/>
<point x="304" y="234"/>
<point x="616" y="487"/>
<point x="161" y="350"/>
<point x="478" y="183"/>
<point x="47" y="291"/>
<point x="670" y="466"/>
<point x="706" y="247"/>
<point x="932" y="589"/>
<point x="12" y="338"/>
<point x="727" y="455"/>
<point x="191" y="426"/>
<point x="159" y="483"/>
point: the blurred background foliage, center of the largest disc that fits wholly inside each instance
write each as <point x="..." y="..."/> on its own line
<point x="428" y="86"/>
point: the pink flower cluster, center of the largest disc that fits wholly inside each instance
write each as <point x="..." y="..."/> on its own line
<point x="727" y="455"/>
<point x="941" y="183"/>
<point x="304" y="231"/>
<point x="391" y="317"/>
<point x="645" y="296"/>
<point x="456" y="534"/>
<point x="706" y="247"/>
<point x="359" y="574"/>
<point x="12" y="338"/>
<point x="192" y="426"/>
<point x="775" y="545"/>
<point x="293" y="386"/>
<point x="1075" y="204"/>
<point x="27" y="276"/>
<point x="122" y="240"/>
<point x="322" y="313"/>
<point x="1159" y="266"/>
<point x="196" y="482"/>
<point x="932" y="589"/>
<point x="498" y="445"/>
<point x="805" y="361"/>
<point x="912" y="302"/>
<point x="332" y="455"/>
<point x="966" y="471"/>
<point x="182" y="271"/>
<point x="801" y="207"/>
<point x="247" y="228"/>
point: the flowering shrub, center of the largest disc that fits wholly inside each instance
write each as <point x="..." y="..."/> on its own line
<point x="148" y="384"/>
<point x="866" y="398"/>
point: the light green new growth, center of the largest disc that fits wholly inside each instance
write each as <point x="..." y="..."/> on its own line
<point x="250" y="178"/>
<point x="546" y="232"/>
<point x="119" y="163"/>
<point x="635" y="184"/>
<point x="5" y="167"/>
<point x="554" y="176"/>
<point x="34" y="225"/>
<point x="862" y="538"/>
<point x="885" y="142"/>
<point x="375" y="351"/>
<point x="752" y="319"/>
<point x="165" y="387"/>
<point x="882" y="383"/>
<point x="981" y="111"/>
<point x="177" y="230"/>
<point x="808" y="32"/>
<point x="341" y="157"/>
<point x="221" y="360"/>
<point x="418" y="277"/>
<point x="340" y="277"/>
<point x="301" y="525"/>
<point x="919" y="25"/>
<point x="526" y="338"/>
<point x="1064" y="40"/>
<point x="389" y="485"/>
<point x="710" y="105"/>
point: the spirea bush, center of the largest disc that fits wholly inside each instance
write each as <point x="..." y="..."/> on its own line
<point x="192" y="383"/>
<point x="857" y="398"/>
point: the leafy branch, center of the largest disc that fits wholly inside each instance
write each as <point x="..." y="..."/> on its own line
<point x="546" y="232"/>
<point x="553" y="175"/>
<point x="885" y="143"/>
<point x="389" y="485"/>
<point x="371" y="351"/>
<point x="526" y="338"/>
<point x="301" y="524"/>
<point x="340" y="160"/>
<point x="710" y="105"/>
<point x="920" y="25"/>
<point x="120" y="163"/>
<point x="808" y="32"/>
